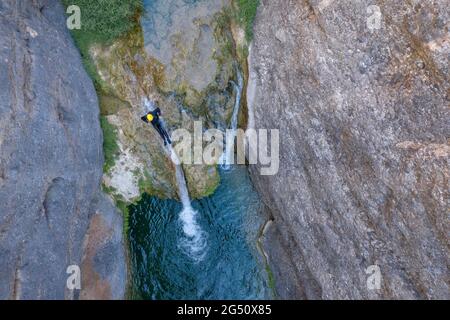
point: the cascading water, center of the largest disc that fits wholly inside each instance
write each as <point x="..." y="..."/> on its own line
<point x="239" y="86"/>
<point x="231" y="134"/>
<point x="231" y="267"/>
<point x="194" y="242"/>
<point x="206" y="248"/>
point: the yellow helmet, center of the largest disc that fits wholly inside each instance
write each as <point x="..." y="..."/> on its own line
<point x="150" y="117"/>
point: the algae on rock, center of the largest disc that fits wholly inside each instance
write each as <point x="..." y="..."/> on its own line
<point x="189" y="71"/>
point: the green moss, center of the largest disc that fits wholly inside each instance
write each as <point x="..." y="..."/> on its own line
<point x="223" y="35"/>
<point x="212" y="187"/>
<point x="270" y="279"/>
<point x="145" y="183"/>
<point x="246" y="14"/>
<point x="110" y="104"/>
<point x="109" y="190"/>
<point x="123" y="206"/>
<point x="102" y="21"/>
<point x="110" y="146"/>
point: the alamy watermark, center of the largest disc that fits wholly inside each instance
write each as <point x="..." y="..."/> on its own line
<point x="74" y="279"/>
<point x="73" y="22"/>
<point x="375" y="18"/>
<point x="215" y="147"/>
<point x="374" y="277"/>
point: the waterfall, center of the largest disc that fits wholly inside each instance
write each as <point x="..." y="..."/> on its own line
<point x="194" y="241"/>
<point x="148" y="105"/>
<point x="229" y="150"/>
<point x="238" y="87"/>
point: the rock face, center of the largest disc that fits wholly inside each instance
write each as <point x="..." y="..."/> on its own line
<point x="103" y="263"/>
<point x="180" y="35"/>
<point x="51" y="163"/>
<point x="184" y="55"/>
<point x="363" y="111"/>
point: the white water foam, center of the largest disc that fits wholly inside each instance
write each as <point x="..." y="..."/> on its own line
<point x="229" y="150"/>
<point x="194" y="243"/>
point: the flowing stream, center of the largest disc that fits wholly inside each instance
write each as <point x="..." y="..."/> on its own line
<point x="229" y="150"/>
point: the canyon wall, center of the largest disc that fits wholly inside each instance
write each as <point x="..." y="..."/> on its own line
<point x="52" y="212"/>
<point x="360" y="95"/>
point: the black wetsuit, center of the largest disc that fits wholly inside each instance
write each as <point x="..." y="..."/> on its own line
<point x="158" y="125"/>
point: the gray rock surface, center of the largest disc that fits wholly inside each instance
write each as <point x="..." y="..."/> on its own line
<point x="364" y="123"/>
<point x="103" y="264"/>
<point x="51" y="154"/>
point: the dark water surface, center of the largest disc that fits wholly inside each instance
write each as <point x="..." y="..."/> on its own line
<point x="231" y="266"/>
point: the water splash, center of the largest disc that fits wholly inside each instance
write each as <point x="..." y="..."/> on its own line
<point x="194" y="243"/>
<point x="148" y="105"/>
<point x="229" y="150"/>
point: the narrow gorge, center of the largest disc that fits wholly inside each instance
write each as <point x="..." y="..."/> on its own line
<point x="357" y="91"/>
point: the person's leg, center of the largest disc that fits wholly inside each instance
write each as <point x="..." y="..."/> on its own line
<point x="158" y="128"/>
<point x="166" y="134"/>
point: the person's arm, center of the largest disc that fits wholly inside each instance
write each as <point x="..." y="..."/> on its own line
<point x="144" y="118"/>
<point x="158" y="111"/>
